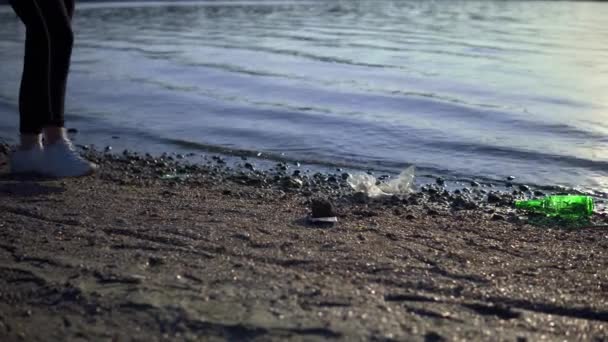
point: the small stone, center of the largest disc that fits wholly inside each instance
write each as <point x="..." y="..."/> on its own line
<point x="475" y="184"/>
<point x="433" y="337"/>
<point x="345" y="176"/>
<point x="108" y="148"/>
<point x="249" y="166"/>
<point x="498" y="217"/>
<point x="292" y="182"/>
<point x="72" y="130"/>
<point x="539" y="193"/>
<point x="296" y="173"/>
<point x="410" y="217"/>
<point x="115" y="137"/>
<point x="155" y="261"/>
<point x="510" y="178"/>
<point x="322" y="208"/>
<point x="360" y="197"/>
<point x="524" y="188"/>
<point x="440" y="181"/>
<point x="461" y="203"/>
<point x="493" y="197"/>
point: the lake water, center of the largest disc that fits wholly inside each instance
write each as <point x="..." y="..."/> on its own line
<point x="462" y="89"/>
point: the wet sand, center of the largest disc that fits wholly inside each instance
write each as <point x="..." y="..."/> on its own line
<point x="218" y="255"/>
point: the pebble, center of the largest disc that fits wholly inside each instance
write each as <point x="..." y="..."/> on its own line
<point x="440" y="181"/>
<point x="72" y="130"/>
<point x="475" y="184"/>
<point x="292" y="182"/>
<point x="322" y="207"/>
<point x="524" y="188"/>
<point x="249" y="166"/>
<point x="493" y="197"/>
<point x="432" y="212"/>
<point x="360" y="197"/>
<point x="461" y="203"/>
<point x="498" y="217"/>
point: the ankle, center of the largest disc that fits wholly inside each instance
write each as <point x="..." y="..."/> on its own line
<point x="30" y="141"/>
<point x="53" y="135"/>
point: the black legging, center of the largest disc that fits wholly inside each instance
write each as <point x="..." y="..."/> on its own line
<point x="48" y="49"/>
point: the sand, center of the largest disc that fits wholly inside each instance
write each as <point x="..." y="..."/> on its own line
<point x="126" y="255"/>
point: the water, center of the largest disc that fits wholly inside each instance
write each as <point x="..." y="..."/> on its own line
<point x="467" y="90"/>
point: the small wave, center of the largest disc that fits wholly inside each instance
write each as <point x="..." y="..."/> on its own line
<point x="481" y="150"/>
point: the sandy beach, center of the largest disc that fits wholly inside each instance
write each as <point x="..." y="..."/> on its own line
<point x="127" y="254"/>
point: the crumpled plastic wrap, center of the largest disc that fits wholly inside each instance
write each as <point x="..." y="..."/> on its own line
<point x="399" y="186"/>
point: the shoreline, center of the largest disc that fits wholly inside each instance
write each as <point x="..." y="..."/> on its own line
<point x="137" y="250"/>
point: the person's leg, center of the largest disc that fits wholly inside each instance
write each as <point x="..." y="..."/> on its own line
<point x="60" y="157"/>
<point x="57" y="16"/>
<point x="34" y="93"/>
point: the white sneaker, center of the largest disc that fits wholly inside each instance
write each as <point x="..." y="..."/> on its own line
<point x="26" y="161"/>
<point x="62" y="160"/>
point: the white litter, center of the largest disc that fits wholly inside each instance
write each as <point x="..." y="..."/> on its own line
<point x="399" y="186"/>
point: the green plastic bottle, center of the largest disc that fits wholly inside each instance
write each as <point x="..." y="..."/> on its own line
<point x="567" y="206"/>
